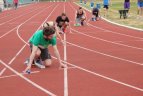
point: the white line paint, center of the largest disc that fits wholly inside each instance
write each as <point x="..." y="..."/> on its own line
<point x="12" y="29"/>
<point x="19" y="16"/>
<point x="129" y="41"/>
<point x="8" y="32"/>
<point x="10" y="13"/>
<point x="107" y="40"/>
<point x="101" y="53"/>
<point x="103" y="76"/>
<point x="65" y="69"/>
<point x="108" y="78"/>
<point x="28" y="80"/>
<point x="2" y="71"/>
<point x="3" y="77"/>
<point x="105" y="30"/>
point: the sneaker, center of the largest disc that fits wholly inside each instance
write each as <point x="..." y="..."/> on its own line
<point x="39" y="64"/>
<point x="93" y="19"/>
<point x="77" y="24"/>
<point x="28" y="71"/>
<point x="26" y="62"/>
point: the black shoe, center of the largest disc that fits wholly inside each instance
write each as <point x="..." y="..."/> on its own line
<point x="39" y="64"/>
<point x="82" y="23"/>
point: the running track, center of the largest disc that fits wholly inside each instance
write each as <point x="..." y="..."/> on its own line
<point x="103" y="59"/>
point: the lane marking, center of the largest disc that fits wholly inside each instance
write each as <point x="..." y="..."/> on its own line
<point x="20" y="16"/>
<point x="103" y="76"/>
<point x="104" y="54"/>
<point x="13" y="28"/>
<point x="65" y="59"/>
<point x="8" y="76"/>
<point x="125" y="45"/>
<point x="28" y="80"/>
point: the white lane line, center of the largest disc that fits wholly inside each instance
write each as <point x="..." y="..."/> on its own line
<point x="65" y="69"/>
<point x="20" y="16"/>
<point x="129" y="41"/>
<point x="106" y="40"/>
<point x="106" y="30"/>
<point x="13" y="13"/>
<point x="8" y="76"/>
<point x="13" y="28"/>
<point x="101" y="53"/>
<point x="8" y="32"/>
<point x="28" y="80"/>
<point x="2" y="71"/>
<point x="103" y="76"/>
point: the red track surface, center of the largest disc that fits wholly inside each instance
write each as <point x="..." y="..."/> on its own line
<point x="106" y="59"/>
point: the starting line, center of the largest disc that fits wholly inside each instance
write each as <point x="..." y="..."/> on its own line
<point x="8" y="76"/>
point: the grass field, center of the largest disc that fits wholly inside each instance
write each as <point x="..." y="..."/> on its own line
<point x="133" y="19"/>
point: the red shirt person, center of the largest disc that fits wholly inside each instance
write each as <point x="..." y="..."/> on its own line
<point x="15" y="3"/>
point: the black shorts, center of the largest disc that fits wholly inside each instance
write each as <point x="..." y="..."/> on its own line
<point x="106" y="6"/>
<point x="44" y="53"/>
<point x="95" y="14"/>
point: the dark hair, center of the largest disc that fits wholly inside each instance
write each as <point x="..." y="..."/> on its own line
<point x="47" y="31"/>
<point x="63" y="14"/>
<point x="80" y="7"/>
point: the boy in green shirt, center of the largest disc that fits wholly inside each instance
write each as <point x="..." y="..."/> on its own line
<point x="39" y="44"/>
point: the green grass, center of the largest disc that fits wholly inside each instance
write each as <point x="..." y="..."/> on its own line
<point x="113" y="14"/>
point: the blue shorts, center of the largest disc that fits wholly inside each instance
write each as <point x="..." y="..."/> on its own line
<point x="140" y="4"/>
<point x="106" y="6"/>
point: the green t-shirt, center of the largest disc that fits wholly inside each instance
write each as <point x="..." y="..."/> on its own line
<point x="38" y="40"/>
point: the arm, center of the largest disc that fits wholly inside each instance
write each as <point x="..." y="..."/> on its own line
<point x="67" y="21"/>
<point x="75" y="15"/>
<point x="58" y="55"/>
<point x="57" y="34"/>
<point x="56" y="51"/>
<point x="32" y="56"/>
<point x="84" y="14"/>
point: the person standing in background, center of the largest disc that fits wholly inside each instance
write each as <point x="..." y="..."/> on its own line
<point x="15" y="4"/>
<point x="140" y="7"/>
<point x="127" y="6"/>
<point x="106" y="6"/>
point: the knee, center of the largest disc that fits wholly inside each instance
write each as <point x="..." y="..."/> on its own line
<point x="48" y="62"/>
